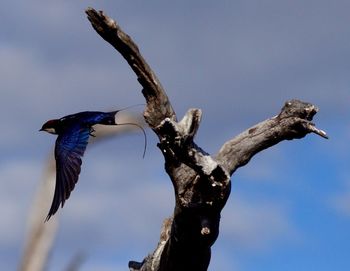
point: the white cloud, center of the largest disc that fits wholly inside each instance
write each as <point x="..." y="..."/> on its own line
<point x="34" y="91"/>
<point x="341" y="202"/>
<point x="264" y="167"/>
<point x="222" y="260"/>
<point x="256" y="225"/>
<point x="123" y="214"/>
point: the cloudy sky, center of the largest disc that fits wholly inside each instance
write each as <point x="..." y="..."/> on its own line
<point x="238" y="61"/>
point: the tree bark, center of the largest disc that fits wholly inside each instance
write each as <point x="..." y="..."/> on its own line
<point x="201" y="182"/>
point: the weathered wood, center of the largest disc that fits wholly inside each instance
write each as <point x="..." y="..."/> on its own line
<point x="158" y="105"/>
<point x="293" y="122"/>
<point x="201" y="182"/>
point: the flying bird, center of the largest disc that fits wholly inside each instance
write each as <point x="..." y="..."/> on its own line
<point x="73" y="133"/>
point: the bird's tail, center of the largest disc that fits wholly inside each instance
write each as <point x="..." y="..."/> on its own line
<point x="143" y="131"/>
<point x="113" y="115"/>
<point x="109" y="118"/>
<point x="130" y="106"/>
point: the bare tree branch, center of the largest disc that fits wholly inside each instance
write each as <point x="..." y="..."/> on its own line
<point x="201" y="182"/>
<point x="40" y="236"/>
<point x="293" y="122"/>
<point x="158" y="104"/>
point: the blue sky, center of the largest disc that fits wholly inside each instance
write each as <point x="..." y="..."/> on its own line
<point x="238" y="61"/>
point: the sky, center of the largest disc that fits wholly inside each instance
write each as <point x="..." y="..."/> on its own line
<point x="238" y="61"/>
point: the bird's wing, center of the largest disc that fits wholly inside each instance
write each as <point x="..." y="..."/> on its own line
<point x="69" y="149"/>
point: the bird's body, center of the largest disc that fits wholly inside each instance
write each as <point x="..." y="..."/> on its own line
<point x="73" y="133"/>
<point x="86" y="118"/>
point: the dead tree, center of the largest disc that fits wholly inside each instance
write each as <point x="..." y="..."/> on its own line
<point x="201" y="181"/>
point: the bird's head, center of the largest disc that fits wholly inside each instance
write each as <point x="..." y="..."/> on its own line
<point x="50" y="126"/>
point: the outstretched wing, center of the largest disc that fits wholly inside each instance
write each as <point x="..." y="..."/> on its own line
<point x="69" y="149"/>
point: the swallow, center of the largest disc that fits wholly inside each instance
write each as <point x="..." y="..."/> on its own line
<point x="73" y="134"/>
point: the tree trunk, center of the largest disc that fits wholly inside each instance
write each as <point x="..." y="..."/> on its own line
<point x="201" y="182"/>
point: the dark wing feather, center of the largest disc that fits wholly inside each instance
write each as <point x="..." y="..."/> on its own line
<point x="70" y="147"/>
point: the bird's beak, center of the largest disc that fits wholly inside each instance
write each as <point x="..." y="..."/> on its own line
<point x="41" y="129"/>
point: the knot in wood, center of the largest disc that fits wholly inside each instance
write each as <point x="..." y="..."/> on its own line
<point x="205" y="231"/>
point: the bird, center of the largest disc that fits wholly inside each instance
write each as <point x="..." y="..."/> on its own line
<point x="73" y="132"/>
